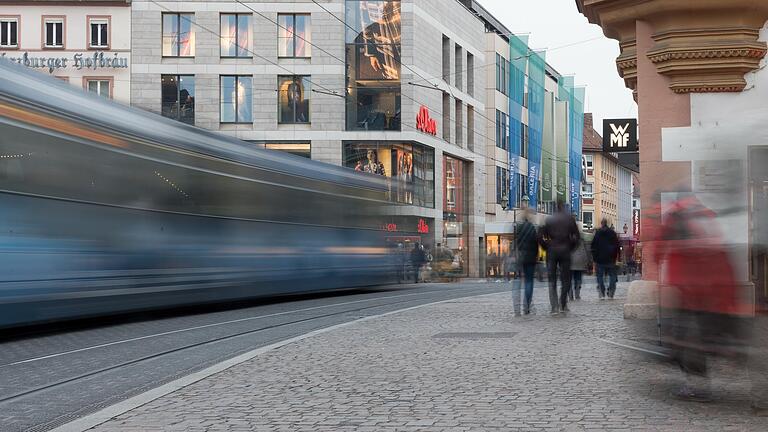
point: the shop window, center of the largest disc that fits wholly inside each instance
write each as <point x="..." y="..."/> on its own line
<point x="99" y="86"/>
<point x="178" y="97"/>
<point x="98" y="29"/>
<point x="178" y="35"/>
<point x="293" y="99"/>
<point x="54" y="32"/>
<point x="9" y="32"/>
<point x="294" y="35"/>
<point x="373" y="65"/>
<point x="410" y="169"/>
<point x="455" y="213"/>
<point x="235" y="35"/>
<point x="236" y="99"/>
<point x="298" y="148"/>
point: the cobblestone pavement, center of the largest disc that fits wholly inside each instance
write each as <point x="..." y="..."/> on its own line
<point x="462" y="365"/>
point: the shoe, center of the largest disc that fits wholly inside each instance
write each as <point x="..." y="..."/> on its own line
<point x="564" y="309"/>
<point x="688" y="394"/>
<point x="554" y="312"/>
<point x="578" y="297"/>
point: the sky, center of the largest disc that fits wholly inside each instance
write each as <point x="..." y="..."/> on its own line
<point x="553" y="24"/>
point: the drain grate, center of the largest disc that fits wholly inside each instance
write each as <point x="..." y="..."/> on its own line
<point x="475" y="335"/>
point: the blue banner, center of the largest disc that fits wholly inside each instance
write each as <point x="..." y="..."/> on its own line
<point x="536" y="76"/>
<point x="518" y="55"/>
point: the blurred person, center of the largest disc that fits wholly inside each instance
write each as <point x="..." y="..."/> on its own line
<point x="418" y="258"/>
<point x="509" y="266"/>
<point x="559" y="237"/>
<point x="702" y="312"/>
<point x="493" y="261"/>
<point x="401" y="262"/>
<point x="580" y="262"/>
<point x="443" y="260"/>
<point x="605" y="252"/>
<point x="527" y="249"/>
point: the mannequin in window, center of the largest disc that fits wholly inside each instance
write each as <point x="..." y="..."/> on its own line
<point x="373" y="165"/>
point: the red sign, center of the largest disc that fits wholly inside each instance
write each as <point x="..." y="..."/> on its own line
<point x="423" y="228"/>
<point x="390" y="227"/>
<point x="636" y="223"/>
<point x="425" y="123"/>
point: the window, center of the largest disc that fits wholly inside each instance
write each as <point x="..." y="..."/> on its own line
<point x="235" y="35"/>
<point x="503" y="67"/>
<point x="293" y="99"/>
<point x="99" y="31"/>
<point x="54" y="32"/>
<point x="470" y="74"/>
<point x="587" y="218"/>
<point x="587" y="190"/>
<point x="589" y="161"/>
<point x="446" y="117"/>
<point x="458" y="57"/>
<point x="502" y="184"/>
<point x="178" y="97"/>
<point x="236" y="99"/>
<point x="178" y="35"/>
<point x="471" y="127"/>
<point x="459" y="123"/>
<point x="524" y="140"/>
<point x="9" y="32"/>
<point x="446" y="59"/>
<point x="294" y="35"/>
<point x="100" y="86"/>
<point x="502" y="130"/>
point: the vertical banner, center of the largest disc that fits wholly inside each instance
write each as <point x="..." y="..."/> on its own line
<point x="518" y="55"/>
<point x="561" y="150"/>
<point x="575" y="149"/>
<point x="548" y="150"/>
<point x="536" y="93"/>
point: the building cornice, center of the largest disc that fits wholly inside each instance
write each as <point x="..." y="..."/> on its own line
<point x="702" y="46"/>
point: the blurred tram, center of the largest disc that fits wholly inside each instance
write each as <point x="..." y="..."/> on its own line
<point x="107" y="209"/>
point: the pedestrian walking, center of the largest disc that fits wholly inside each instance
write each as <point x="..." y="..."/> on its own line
<point x="527" y="248"/>
<point x="510" y="266"/>
<point x="580" y="262"/>
<point x="418" y="258"/>
<point x="605" y="252"/>
<point x="559" y="237"/>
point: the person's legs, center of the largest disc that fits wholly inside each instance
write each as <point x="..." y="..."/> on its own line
<point x="601" y="280"/>
<point x="613" y="280"/>
<point x="577" y="278"/>
<point x="516" y="296"/>
<point x="528" y="274"/>
<point x="552" y="275"/>
<point x="565" y="280"/>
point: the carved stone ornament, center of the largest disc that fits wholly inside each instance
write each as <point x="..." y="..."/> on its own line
<point x="701" y="46"/>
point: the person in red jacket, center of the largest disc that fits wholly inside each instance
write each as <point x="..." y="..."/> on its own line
<point x="699" y="294"/>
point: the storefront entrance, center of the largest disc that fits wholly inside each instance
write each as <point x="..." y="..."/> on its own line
<point x="759" y="225"/>
<point x="498" y="248"/>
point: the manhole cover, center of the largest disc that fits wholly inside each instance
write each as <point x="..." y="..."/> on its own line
<point x="475" y="335"/>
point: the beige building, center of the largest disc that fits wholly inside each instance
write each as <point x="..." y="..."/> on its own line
<point x="599" y="190"/>
<point x="86" y="43"/>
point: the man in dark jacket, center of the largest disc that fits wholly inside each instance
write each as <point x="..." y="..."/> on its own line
<point x="605" y="251"/>
<point x="527" y="247"/>
<point x="559" y="237"/>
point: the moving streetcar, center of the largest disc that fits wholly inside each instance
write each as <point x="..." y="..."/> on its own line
<point x="107" y="209"/>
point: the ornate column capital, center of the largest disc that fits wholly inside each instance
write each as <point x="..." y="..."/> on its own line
<point x="702" y="46"/>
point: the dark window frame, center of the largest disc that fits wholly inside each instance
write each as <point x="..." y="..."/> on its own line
<point x="237" y="81"/>
<point x="308" y="46"/>
<point x="178" y="16"/>
<point x="296" y="79"/>
<point x="178" y="102"/>
<point x="238" y="46"/>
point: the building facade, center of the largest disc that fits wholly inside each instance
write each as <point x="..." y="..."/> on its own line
<point x="86" y="43"/>
<point x="384" y="87"/>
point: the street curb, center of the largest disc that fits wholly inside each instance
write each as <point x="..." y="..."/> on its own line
<point x="102" y="416"/>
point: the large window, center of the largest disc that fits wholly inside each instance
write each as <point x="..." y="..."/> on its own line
<point x="587" y="218"/>
<point x="178" y="35"/>
<point x="502" y="184"/>
<point x="293" y="99"/>
<point x="236" y="99"/>
<point x="178" y="95"/>
<point x="502" y="74"/>
<point x="100" y="86"/>
<point x="373" y="65"/>
<point x="54" y="32"/>
<point x="455" y="214"/>
<point x="294" y="35"/>
<point x="235" y="35"/>
<point x="410" y="168"/>
<point x="9" y="32"/>
<point x="98" y="29"/>
<point x="502" y="130"/>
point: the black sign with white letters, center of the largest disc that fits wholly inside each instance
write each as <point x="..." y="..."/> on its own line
<point x="620" y="136"/>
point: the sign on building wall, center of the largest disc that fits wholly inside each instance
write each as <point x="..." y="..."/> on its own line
<point x="636" y="223"/>
<point x="425" y="123"/>
<point x="77" y="61"/>
<point x="620" y="135"/>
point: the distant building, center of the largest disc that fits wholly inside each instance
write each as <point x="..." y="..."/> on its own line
<point x="86" y="43"/>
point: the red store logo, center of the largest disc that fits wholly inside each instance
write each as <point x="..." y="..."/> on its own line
<point x="425" y="123"/>
<point x="423" y="228"/>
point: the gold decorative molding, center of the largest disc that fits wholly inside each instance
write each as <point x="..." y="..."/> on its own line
<point x="701" y="46"/>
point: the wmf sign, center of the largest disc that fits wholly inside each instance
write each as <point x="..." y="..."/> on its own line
<point x="620" y="136"/>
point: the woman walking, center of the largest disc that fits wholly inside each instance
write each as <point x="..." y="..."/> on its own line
<point x="580" y="262"/>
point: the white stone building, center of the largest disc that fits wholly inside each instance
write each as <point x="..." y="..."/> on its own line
<point x="87" y="43"/>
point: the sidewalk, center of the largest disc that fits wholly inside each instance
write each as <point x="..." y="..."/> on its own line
<point x="461" y="365"/>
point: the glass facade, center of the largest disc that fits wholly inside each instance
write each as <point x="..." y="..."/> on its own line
<point x="502" y="130"/>
<point x="236" y="99"/>
<point x="235" y="35"/>
<point x="178" y="35"/>
<point x="294" y="35"/>
<point x="410" y="168"/>
<point x="455" y="216"/>
<point x="178" y="97"/>
<point x="293" y="99"/>
<point x="373" y="65"/>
